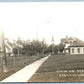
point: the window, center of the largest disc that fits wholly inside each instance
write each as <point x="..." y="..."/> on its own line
<point x="78" y="50"/>
<point x="72" y="50"/>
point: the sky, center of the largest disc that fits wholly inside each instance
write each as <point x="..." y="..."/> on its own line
<point x="24" y="19"/>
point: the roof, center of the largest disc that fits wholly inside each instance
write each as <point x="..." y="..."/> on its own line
<point x="7" y="47"/>
<point x="77" y="45"/>
<point x="67" y="48"/>
<point x="71" y="40"/>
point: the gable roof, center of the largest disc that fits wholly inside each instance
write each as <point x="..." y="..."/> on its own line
<point x="7" y="47"/>
<point x="71" y="40"/>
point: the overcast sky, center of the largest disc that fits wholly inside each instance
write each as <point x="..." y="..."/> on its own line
<point x="49" y="18"/>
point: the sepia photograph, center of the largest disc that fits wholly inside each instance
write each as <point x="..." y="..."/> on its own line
<point x="42" y="41"/>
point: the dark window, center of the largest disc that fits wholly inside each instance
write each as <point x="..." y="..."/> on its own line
<point x="72" y="50"/>
<point x="78" y="50"/>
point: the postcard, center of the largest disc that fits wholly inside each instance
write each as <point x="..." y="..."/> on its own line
<point x="42" y="41"/>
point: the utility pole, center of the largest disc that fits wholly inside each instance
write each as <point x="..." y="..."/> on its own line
<point x="52" y="44"/>
<point x="4" y="61"/>
<point x="43" y="44"/>
<point x="36" y="32"/>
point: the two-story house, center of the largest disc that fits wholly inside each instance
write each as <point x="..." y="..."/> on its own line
<point x="72" y="45"/>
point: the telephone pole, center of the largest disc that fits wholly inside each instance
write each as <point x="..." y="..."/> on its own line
<point x="4" y="61"/>
<point x="52" y="44"/>
<point x="43" y="42"/>
<point x="36" y="32"/>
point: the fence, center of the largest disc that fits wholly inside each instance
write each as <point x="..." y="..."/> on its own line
<point x="15" y="63"/>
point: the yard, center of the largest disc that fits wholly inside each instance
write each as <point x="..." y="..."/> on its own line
<point x="60" y="68"/>
<point x="16" y="63"/>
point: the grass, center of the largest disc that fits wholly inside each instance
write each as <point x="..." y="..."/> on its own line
<point x="48" y="71"/>
<point x="16" y="63"/>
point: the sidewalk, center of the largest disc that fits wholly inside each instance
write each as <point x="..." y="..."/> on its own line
<point x="25" y="74"/>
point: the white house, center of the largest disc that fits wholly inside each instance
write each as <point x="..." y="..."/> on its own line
<point x="73" y="45"/>
<point x="8" y="49"/>
<point x="76" y="48"/>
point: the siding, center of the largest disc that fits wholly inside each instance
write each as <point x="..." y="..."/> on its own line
<point x="76" y="50"/>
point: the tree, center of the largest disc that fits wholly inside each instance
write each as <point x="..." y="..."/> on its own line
<point x="44" y="46"/>
<point x="15" y="51"/>
<point x="56" y="49"/>
<point x="19" y="45"/>
<point x="49" y="49"/>
<point x="61" y="47"/>
<point x="35" y="47"/>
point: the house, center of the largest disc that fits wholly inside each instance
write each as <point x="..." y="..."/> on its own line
<point x="8" y="49"/>
<point x="76" y="48"/>
<point x="69" y="40"/>
<point x="72" y="45"/>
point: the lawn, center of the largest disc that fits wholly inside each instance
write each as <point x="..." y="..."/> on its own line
<point x="16" y="63"/>
<point x="61" y="68"/>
